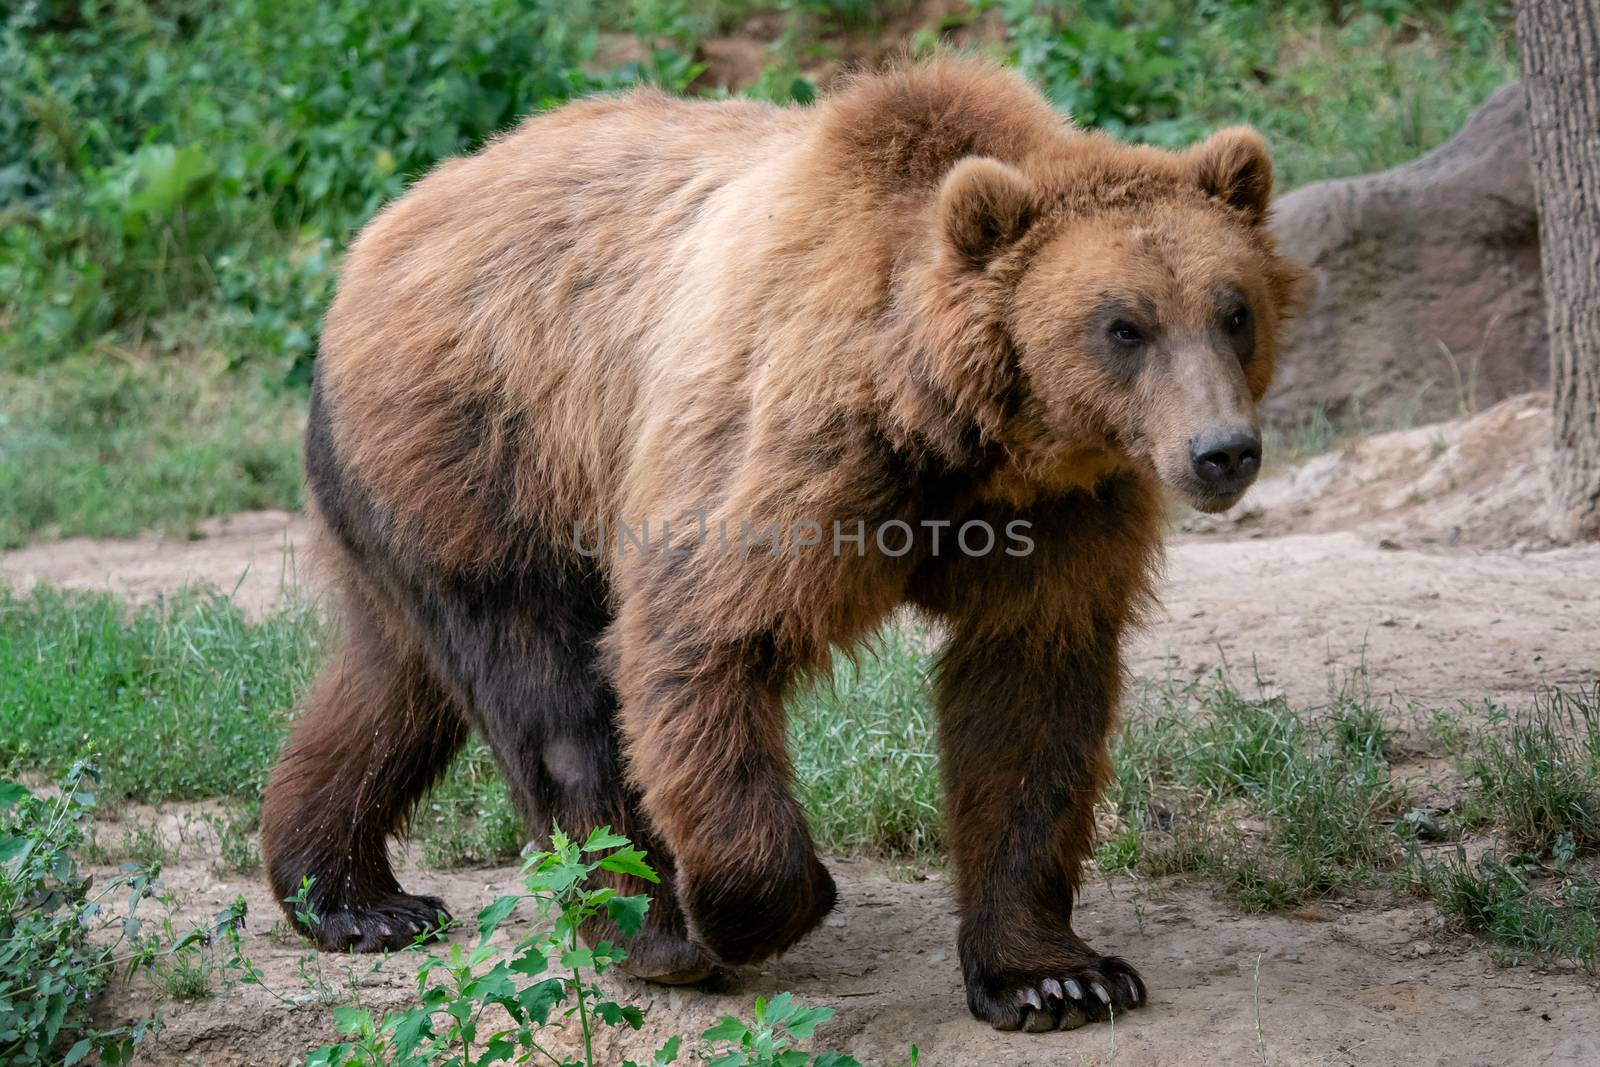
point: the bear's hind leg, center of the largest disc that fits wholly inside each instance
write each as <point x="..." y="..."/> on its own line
<point x="524" y="652"/>
<point x="376" y="733"/>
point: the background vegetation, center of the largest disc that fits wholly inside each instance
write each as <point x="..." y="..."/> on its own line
<point x="178" y="178"/>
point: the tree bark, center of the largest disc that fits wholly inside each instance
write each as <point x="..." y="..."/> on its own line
<point x="1559" y="46"/>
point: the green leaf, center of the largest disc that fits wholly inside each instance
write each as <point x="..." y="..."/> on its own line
<point x="532" y="962"/>
<point x="602" y="838"/>
<point x="806" y="1020"/>
<point x="778" y="1009"/>
<point x="668" y="1053"/>
<point x="537" y="1000"/>
<point x="727" y="1029"/>
<point x="78" y="1052"/>
<point x="628" y="913"/>
<point x="164" y="175"/>
<point x="839" y="1059"/>
<point x="11" y="847"/>
<point x="577" y="959"/>
<point x="409" y="1032"/>
<point x="352" y="1020"/>
<point x="12" y="793"/>
<point x="630" y="861"/>
<point x="490" y="918"/>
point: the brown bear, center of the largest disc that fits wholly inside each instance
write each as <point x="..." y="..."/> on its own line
<point x="624" y="424"/>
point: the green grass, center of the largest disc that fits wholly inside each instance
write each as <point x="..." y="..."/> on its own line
<point x="180" y="700"/>
<point x="1274" y="805"/>
<point x="1537" y="771"/>
<point x="1534" y="787"/>
<point x="109" y="449"/>
<point x="468" y="819"/>
<point x="1527" y="912"/>
<point x="866" y="761"/>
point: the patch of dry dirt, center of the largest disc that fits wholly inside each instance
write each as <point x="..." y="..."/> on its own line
<point x="1418" y="568"/>
<point x="1331" y="985"/>
<point x="258" y="556"/>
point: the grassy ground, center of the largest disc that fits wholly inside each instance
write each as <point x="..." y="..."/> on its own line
<point x="1270" y="804"/>
<point x="169" y="235"/>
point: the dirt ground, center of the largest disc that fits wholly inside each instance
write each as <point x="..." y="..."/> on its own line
<point x="1417" y="555"/>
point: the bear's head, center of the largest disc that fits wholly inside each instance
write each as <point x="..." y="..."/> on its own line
<point x="1123" y="304"/>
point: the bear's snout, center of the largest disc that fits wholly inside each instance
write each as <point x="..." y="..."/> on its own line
<point x="1226" y="459"/>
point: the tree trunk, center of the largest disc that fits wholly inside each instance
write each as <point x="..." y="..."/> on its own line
<point x="1559" y="45"/>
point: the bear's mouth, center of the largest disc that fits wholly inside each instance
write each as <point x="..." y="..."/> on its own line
<point x="1204" y="498"/>
<point x="1200" y="496"/>
<point x="1212" y="503"/>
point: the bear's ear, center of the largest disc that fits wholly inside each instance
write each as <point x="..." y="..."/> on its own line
<point x="985" y="206"/>
<point x="1233" y="166"/>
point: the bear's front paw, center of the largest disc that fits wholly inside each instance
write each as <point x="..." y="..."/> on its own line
<point x="1064" y="999"/>
<point x="745" y="915"/>
<point x="389" y="922"/>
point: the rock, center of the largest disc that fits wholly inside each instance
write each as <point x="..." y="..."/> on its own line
<point x="1426" y="300"/>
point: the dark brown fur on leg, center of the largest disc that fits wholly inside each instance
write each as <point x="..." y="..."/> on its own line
<point x="1027" y="693"/>
<point x="707" y="742"/>
<point x="1023" y="728"/>
<point x="513" y="640"/>
<point x="525" y="653"/>
<point x="376" y="733"/>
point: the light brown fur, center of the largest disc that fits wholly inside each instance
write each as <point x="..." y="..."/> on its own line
<point x="638" y="310"/>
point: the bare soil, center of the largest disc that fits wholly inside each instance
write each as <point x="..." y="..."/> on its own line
<point x="1419" y="555"/>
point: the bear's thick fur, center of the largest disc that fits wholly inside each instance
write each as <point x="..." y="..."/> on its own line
<point x="611" y="417"/>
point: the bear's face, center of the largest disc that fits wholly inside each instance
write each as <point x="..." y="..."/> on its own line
<point x="1144" y="330"/>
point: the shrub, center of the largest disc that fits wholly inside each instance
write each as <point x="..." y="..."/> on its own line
<point x="52" y="963"/>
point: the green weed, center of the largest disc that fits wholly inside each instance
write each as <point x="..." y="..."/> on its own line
<point x="1350" y="92"/>
<point x="1530" y="914"/>
<point x="1273" y="805"/>
<point x="466" y="998"/>
<point x="60" y="945"/>
<point x="235" y="828"/>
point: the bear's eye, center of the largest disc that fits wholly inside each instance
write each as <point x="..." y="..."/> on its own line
<point x="1238" y="319"/>
<point x="1125" y="333"/>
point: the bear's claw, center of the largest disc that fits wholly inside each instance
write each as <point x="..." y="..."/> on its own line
<point x="1106" y="987"/>
<point x="393" y="921"/>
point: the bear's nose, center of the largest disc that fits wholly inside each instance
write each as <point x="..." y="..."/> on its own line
<point x="1226" y="458"/>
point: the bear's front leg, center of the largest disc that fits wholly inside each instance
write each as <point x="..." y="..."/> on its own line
<point x="707" y="747"/>
<point x="1024" y="719"/>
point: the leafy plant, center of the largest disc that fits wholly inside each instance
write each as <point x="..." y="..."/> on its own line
<point x="546" y="971"/>
<point x="549" y="973"/>
<point x="52" y="964"/>
<point x="768" y="1040"/>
